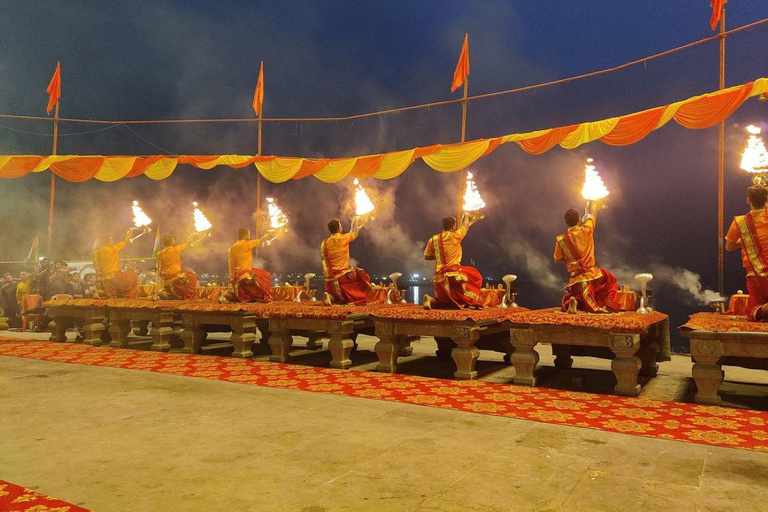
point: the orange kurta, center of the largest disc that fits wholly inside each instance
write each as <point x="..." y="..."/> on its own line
<point x="169" y="261"/>
<point x="334" y="252"/>
<point x="107" y="260"/>
<point x="581" y="266"/>
<point x="451" y="253"/>
<point x="241" y="258"/>
<point x="760" y="220"/>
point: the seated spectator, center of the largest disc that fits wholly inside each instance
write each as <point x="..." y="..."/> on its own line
<point x="75" y="286"/>
<point x="90" y="285"/>
<point x="24" y="287"/>
<point x="8" y="300"/>
<point x="151" y="277"/>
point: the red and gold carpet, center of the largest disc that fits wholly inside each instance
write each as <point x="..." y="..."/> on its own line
<point x="721" y="426"/>
<point x="723" y="323"/>
<point x="17" y="498"/>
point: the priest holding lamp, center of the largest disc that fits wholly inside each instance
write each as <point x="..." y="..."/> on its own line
<point x="590" y="288"/>
<point x="456" y="286"/>
<point x="345" y="284"/>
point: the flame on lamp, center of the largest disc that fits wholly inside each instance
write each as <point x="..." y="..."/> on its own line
<point x="594" y="188"/>
<point x="754" y="159"/>
<point x="473" y="201"/>
<point x="277" y="218"/>
<point x="140" y="219"/>
<point x="201" y="221"/>
<point x="363" y="204"/>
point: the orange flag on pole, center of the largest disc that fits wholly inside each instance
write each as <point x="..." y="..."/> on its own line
<point x="54" y="89"/>
<point x="462" y="68"/>
<point x="258" y="95"/>
<point x="717" y="12"/>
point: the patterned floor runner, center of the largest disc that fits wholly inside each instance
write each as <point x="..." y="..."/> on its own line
<point x="17" y="498"/>
<point x="711" y="425"/>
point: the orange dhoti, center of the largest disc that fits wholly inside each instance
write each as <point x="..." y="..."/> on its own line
<point x="458" y="287"/>
<point x="757" y="287"/>
<point x="119" y="285"/>
<point x="352" y="287"/>
<point x="592" y="295"/>
<point x="183" y="286"/>
<point x="254" y="286"/>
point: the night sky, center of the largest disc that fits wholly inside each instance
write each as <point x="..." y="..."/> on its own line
<point x="154" y="59"/>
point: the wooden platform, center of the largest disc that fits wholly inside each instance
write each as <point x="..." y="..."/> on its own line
<point x="723" y="340"/>
<point x="635" y="342"/>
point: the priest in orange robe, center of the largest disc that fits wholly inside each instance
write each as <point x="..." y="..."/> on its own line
<point x="113" y="283"/>
<point x="456" y="286"/>
<point x="750" y="234"/>
<point x="178" y="284"/>
<point x="250" y="284"/>
<point x="590" y="287"/>
<point x="343" y="284"/>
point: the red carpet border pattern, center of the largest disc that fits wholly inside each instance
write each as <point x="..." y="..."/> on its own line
<point x="17" y="498"/>
<point x="710" y="425"/>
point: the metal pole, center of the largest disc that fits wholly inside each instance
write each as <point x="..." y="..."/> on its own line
<point x="463" y="138"/>
<point x="721" y="169"/>
<point x="258" y="188"/>
<point x="53" y="182"/>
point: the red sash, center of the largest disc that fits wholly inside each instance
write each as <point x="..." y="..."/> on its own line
<point x="752" y="247"/>
<point x="571" y="252"/>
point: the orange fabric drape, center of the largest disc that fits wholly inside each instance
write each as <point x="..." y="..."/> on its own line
<point x="19" y="166"/>
<point x="710" y="109"/>
<point x="694" y="113"/>
<point x="366" y="166"/>
<point x="78" y="169"/>
<point x="543" y="143"/>
<point x="140" y="165"/>
<point x="633" y="128"/>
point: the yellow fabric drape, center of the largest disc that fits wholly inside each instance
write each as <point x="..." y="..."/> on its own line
<point x="115" y="168"/>
<point x="587" y="132"/>
<point x="394" y="164"/>
<point x="279" y="170"/>
<point x="456" y="156"/>
<point x="161" y="169"/>
<point x="336" y="170"/>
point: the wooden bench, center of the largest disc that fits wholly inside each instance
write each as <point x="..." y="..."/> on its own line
<point x="83" y="313"/>
<point x="460" y="334"/>
<point x="723" y="340"/>
<point x="635" y="342"/>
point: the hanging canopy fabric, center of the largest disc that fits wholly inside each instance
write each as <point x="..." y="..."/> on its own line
<point x="695" y="113"/>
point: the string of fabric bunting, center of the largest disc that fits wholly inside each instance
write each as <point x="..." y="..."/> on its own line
<point x="697" y="112"/>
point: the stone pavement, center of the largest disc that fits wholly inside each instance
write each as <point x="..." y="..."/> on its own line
<point x="112" y="440"/>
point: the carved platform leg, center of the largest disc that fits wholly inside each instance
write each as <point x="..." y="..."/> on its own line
<point x="707" y="374"/>
<point x="141" y="327"/>
<point x="93" y="327"/>
<point x="162" y="330"/>
<point x="192" y="335"/>
<point x="444" y="347"/>
<point x="524" y="358"/>
<point x="119" y="328"/>
<point x="59" y="328"/>
<point x="465" y="354"/>
<point x="264" y="332"/>
<point x="178" y="327"/>
<point x="405" y="348"/>
<point x="280" y="342"/>
<point x="648" y="352"/>
<point x="341" y="344"/>
<point x="563" y="359"/>
<point x="626" y="365"/>
<point x="313" y="341"/>
<point x="243" y="335"/>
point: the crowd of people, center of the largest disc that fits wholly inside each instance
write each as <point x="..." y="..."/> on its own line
<point x="47" y="281"/>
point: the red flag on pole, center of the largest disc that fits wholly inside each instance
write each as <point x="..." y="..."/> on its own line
<point x="54" y="88"/>
<point x="258" y="94"/>
<point x="717" y="12"/>
<point x="462" y="68"/>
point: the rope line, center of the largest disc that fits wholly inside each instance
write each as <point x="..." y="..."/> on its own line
<point x="643" y="60"/>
